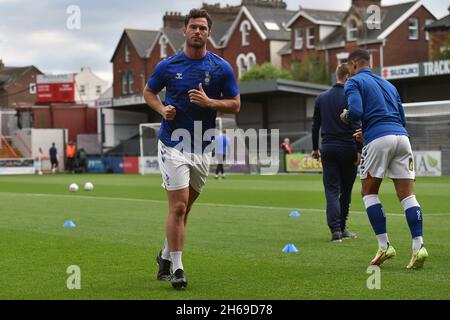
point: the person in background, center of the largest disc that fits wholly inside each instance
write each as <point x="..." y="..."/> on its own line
<point x="286" y="146"/>
<point x="287" y="149"/>
<point x="71" y="151"/>
<point x="82" y="159"/>
<point x="340" y="154"/>
<point x="53" y="152"/>
<point x="221" y="154"/>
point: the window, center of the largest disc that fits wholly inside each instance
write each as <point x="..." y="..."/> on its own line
<point x="251" y="60"/>
<point x="245" y="62"/>
<point x="427" y="34"/>
<point x="245" y="31"/>
<point x="413" y="29"/>
<point x="98" y="89"/>
<point x="271" y="26"/>
<point x="352" y="30"/>
<point x="163" y="46"/>
<point x="310" y="38"/>
<point x="82" y="90"/>
<point x="127" y="53"/>
<point x="124" y="82"/>
<point x="130" y="82"/>
<point x="298" y="39"/>
<point x="241" y="64"/>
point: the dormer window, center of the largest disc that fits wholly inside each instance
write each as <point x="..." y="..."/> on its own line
<point x="413" y="29"/>
<point x="163" y="46"/>
<point x="245" y="31"/>
<point x="127" y="53"/>
<point x="352" y="30"/>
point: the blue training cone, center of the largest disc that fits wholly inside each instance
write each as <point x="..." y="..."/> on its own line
<point x="290" y="248"/>
<point x="295" y="214"/>
<point x="69" y="224"/>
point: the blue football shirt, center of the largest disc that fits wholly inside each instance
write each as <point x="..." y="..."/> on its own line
<point x="375" y="102"/>
<point x="179" y="74"/>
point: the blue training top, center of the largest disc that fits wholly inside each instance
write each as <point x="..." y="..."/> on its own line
<point x="375" y="102"/>
<point x="179" y="74"/>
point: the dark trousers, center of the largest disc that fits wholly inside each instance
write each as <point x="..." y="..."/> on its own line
<point x="221" y="159"/>
<point x="70" y="163"/>
<point x="339" y="173"/>
<point x="54" y="162"/>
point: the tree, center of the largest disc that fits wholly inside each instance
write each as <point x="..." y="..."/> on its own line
<point x="2" y="65"/>
<point x="444" y="55"/>
<point x="310" y="69"/>
<point x="266" y="71"/>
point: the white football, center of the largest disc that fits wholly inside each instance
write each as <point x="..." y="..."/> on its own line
<point x="73" y="187"/>
<point x="88" y="186"/>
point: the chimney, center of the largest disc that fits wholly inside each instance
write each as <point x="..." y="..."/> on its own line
<point x="276" y="4"/>
<point x="219" y="13"/>
<point x="173" y="20"/>
<point x="365" y="3"/>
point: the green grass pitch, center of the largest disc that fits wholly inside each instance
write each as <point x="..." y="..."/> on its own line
<point x="234" y="244"/>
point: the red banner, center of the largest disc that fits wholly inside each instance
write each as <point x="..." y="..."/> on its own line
<point x="56" y="92"/>
<point x="55" y="88"/>
<point x="130" y="165"/>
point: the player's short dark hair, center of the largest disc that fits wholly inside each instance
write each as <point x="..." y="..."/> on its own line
<point x="198" y="13"/>
<point x="358" y="55"/>
<point x="342" y="70"/>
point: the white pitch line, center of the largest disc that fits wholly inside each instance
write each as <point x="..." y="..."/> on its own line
<point x="199" y="203"/>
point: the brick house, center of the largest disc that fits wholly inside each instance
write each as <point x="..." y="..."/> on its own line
<point x="17" y="86"/>
<point x="439" y="36"/>
<point x="247" y="34"/>
<point x="139" y="51"/>
<point x="399" y="38"/>
<point x="257" y="35"/>
<point x="130" y="60"/>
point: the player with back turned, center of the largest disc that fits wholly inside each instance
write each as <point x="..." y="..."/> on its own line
<point x="387" y="152"/>
<point x="198" y="85"/>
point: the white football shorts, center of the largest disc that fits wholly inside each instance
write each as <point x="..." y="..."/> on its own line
<point x="388" y="156"/>
<point x="180" y="170"/>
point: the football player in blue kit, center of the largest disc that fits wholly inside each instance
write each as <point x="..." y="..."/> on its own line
<point x="198" y="85"/>
<point x="387" y="152"/>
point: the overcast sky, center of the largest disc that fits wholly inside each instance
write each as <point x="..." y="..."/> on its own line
<point x="36" y="33"/>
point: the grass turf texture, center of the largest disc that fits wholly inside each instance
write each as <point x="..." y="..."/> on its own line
<point x="235" y="236"/>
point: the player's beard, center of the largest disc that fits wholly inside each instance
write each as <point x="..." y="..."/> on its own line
<point x="196" y="44"/>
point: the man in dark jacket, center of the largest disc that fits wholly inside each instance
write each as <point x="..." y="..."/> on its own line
<point x="339" y="153"/>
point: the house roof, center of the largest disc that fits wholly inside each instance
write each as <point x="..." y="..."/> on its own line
<point x="219" y="30"/>
<point x="175" y="37"/>
<point x="260" y="18"/>
<point x="390" y="15"/>
<point x="9" y="75"/>
<point x="141" y="40"/>
<point x="443" y="23"/>
<point x="326" y="17"/>
<point x="278" y="16"/>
